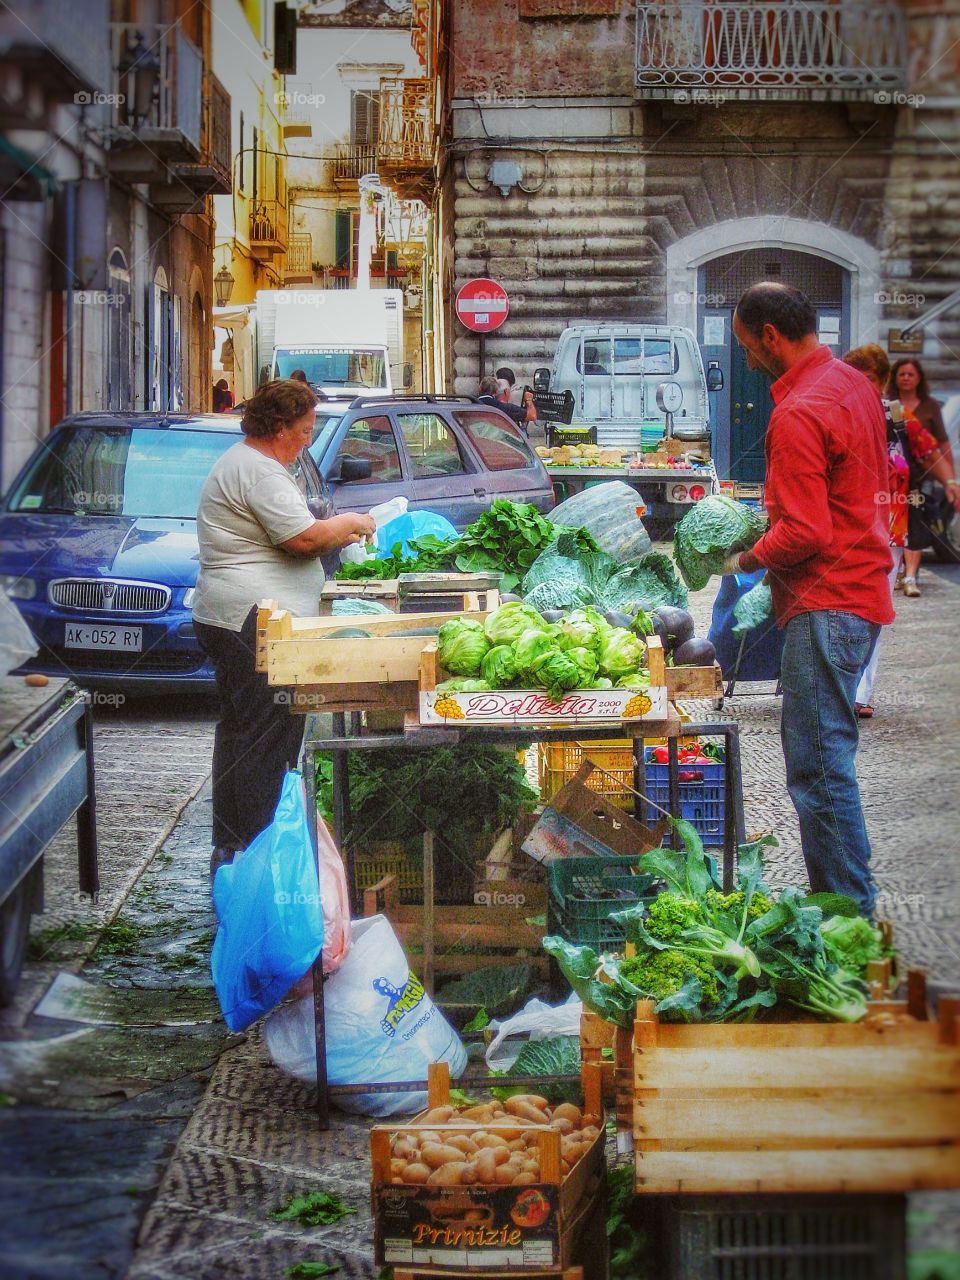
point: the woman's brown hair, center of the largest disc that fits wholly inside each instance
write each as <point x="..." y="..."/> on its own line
<point x="275" y="405"/>
<point x="923" y="388"/>
<point x="870" y="359"/>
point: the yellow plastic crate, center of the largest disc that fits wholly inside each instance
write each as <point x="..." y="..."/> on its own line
<point x="558" y="762"/>
<point x="393" y="860"/>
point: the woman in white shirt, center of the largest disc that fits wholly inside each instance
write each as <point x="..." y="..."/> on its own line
<point x="258" y="540"/>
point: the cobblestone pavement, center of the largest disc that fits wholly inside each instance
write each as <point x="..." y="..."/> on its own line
<point x="246" y="1140"/>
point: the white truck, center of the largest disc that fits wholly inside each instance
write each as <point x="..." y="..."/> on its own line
<point x="640" y="413"/>
<point x="346" y="341"/>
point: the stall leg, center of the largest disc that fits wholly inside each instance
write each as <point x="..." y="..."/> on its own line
<point x="428" y="911"/>
<point x="735" y="674"/>
<point x="673" y="774"/>
<point x="639" y="780"/>
<point x="734" y="826"/>
<point x="341" y="807"/>
<point x="87" y="817"/>
<point x="313" y="819"/>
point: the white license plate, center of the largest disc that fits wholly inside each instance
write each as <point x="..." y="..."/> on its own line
<point x="126" y="639"/>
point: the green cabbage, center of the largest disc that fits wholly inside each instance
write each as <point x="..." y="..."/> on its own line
<point x="461" y="645"/>
<point x="753" y="608"/>
<point x="531" y="646"/>
<point x="499" y="666"/>
<point x="587" y="663"/>
<point x="601" y="682"/>
<point x="620" y="652"/>
<point x="507" y="624"/>
<point x="464" y="684"/>
<point x="713" y="528"/>
<point x="634" y="680"/>
<point x="556" y="672"/>
<point x="582" y="628"/>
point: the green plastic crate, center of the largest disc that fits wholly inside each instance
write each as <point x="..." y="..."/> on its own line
<point x="586" y="892"/>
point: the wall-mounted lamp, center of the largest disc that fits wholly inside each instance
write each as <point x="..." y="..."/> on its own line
<point x="223" y="283"/>
<point x="141" y="66"/>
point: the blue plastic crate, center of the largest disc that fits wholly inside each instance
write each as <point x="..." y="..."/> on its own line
<point x="702" y="798"/>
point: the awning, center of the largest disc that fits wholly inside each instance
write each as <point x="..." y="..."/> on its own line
<point x="28" y="179"/>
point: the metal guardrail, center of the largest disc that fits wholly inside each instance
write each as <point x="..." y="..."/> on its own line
<point x="406" y="124"/>
<point x="351" y="160"/>
<point x="177" y="98"/>
<point x="790" y="48"/>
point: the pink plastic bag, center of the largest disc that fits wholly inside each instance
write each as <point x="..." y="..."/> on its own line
<point x="336" y="910"/>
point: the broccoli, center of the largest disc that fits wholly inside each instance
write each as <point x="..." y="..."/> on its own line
<point x="733" y="903"/>
<point x="682" y="924"/>
<point x="659" y="974"/>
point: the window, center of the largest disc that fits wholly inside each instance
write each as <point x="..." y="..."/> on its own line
<point x="628" y="355"/>
<point x="499" y="445"/>
<point x="659" y="356"/>
<point x="364" y="117"/>
<point x="431" y="444"/>
<point x="373" y="438"/>
<point x="595" y="357"/>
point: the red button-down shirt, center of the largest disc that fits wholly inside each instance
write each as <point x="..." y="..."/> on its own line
<point x="827" y="493"/>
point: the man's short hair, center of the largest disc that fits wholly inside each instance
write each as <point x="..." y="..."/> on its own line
<point x="507" y="374"/>
<point x="489" y="386"/>
<point x="789" y="311"/>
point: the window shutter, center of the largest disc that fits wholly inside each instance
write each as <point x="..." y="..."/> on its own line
<point x="343" y="238"/>
<point x="365" y="113"/>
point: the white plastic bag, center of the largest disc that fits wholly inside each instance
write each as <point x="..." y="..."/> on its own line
<point x="535" y="1021"/>
<point x="380" y="1025"/>
<point x="16" y="640"/>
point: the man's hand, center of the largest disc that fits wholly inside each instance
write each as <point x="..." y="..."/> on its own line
<point x="952" y="491"/>
<point x="731" y="564"/>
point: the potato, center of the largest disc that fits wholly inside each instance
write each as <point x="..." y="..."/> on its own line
<point x="590" y="1133"/>
<point x="505" y="1174"/>
<point x="567" y="1111"/>
<point x="397" y="1167"/>
<point x="517" y="1144"/>
<point x="404" y="1149"/>
<point x="490" y="1140"/>
<point x="594" y="1121"/>
<point x="525" y="1110"/>
<point x="563" y="1124"/>
<point x="437" y="1115"/>
<point x="486" y="1166"/>
<point x="448" y="1175"/>
<point x="509" y="1134"/>
<point x="462" y="1143"/>
<point x="483" y="1113"/>
<point x="526" y="1099"/>
<point x="416" y="1173"/>
<point x="525" y="1179"/>
<point x="436" y="1154"/>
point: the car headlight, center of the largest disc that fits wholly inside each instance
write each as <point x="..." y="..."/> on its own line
<point x="188" y="597"/>
<point x="18" y="588"/>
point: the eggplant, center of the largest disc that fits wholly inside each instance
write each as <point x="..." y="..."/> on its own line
<point x="678" y="624"/>
<point x="509" y="597"/>
<point x="694" y="653"/>
<point x="552" y="615"/>
<point x="660" y="629"/>
<point x="614" y="618"/>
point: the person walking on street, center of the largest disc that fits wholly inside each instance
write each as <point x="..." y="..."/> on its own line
<point x="909" y="445"/>
<point x="908" y="384"/>
<point x="827" y="555"/>
<point x="258" y="540"/>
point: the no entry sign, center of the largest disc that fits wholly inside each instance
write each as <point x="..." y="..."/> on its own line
<point x="482" y="305"/>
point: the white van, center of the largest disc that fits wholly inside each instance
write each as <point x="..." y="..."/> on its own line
<point x="614" y="371"/>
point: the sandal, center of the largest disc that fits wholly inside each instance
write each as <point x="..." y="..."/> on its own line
<point x="864" y="710"/>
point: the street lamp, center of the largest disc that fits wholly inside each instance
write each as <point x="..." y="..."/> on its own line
<point x="141" y="67"/>
<point x="223" y="283"/>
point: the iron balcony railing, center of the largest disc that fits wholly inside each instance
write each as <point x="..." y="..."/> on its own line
<point x="351" y="161"/>
<point x="220" y="153"/>
<point x="406" y="125"/>
<point x="268" y="223"/>
<point x="830" y="49"/>
<point x="300" y="254"/>
<point x="108" y="595"/>
<point x="176" y="68"/>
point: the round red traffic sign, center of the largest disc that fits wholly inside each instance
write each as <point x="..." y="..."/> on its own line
<point x="482" y="305"/>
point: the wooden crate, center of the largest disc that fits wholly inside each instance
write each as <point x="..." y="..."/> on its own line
<point x="412" y="592"/>
<point x="871" y="1107"/>
<point x="533" y="707"/>
<point x="489" y="932"/>
<point x="695" y="682"/>
<point x="573" y="1231"/>
<point x="358" y="673"/>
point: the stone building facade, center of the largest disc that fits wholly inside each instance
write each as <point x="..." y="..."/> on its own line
<point x="612" y="160"/>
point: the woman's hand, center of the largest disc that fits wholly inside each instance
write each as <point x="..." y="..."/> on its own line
<point x="327" y="535"/>
<point x="952" y="491"/>
<point x="357" y="526"/>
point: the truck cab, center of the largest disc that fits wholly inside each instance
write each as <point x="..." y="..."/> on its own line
<point x="614" y="372"/>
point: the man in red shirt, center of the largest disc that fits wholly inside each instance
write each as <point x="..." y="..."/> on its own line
<point x="827" y="557"/>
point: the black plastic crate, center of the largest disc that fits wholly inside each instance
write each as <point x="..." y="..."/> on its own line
<point x="554" y="406"/>
<point x="586" y="892"/>
<point x="775" y="1237"/>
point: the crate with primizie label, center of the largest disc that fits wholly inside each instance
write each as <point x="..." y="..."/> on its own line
<point x="511" y="1188"/>
<point x="536" y="707"/>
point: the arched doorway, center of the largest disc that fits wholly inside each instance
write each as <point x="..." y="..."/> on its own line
<point x="743" y="408"/>
<point x="119" y="359"/>
<point x="197" y="397"/>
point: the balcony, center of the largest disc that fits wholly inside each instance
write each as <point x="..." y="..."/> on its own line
<point x="295" y="103"/>
<point x="405" y="150"/>
<point x="190" y="184"/>
<point x="55" y="53"/>
<point x="268" y="229"/>
<point x="298" y="267"/>
<point x="152" y="131"/>
<point x="351" y="161"/>
<point x="828" y="50"/>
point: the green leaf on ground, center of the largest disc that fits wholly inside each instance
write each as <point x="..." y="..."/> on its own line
<point x="479" y="1020"/>
<point x="317" y="1209"/>
<point x="307" y="1270"/>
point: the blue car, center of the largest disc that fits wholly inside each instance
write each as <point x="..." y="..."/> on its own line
<point x="98" y="537"/>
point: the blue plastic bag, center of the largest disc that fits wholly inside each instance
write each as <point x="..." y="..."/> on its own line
<point x="415" y="524"/>
<point x="760" y="659"/>
<point x="271" y="919"/>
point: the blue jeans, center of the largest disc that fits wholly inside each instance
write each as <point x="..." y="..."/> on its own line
<point x="823" y="655"/>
